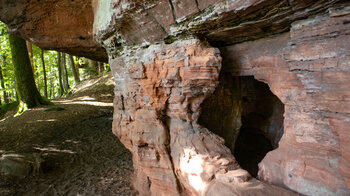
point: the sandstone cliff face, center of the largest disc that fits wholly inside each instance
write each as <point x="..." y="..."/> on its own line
<point x="306" y="69"/>
<point x="162" y="87"/>
<point x="179" y="69"/>
<point x="158" y="96"/>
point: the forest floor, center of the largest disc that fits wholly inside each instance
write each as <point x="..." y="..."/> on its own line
<point x="72" y="141"/>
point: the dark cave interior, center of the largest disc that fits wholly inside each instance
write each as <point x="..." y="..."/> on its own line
<point x="247" y="115"/>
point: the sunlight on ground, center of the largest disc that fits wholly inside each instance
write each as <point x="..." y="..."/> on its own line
<point x="4" y="119"/>
<point x="92" y="82"/>
<point x="71" y="141"/>
<point x="86" y="100"/>
<point x="192" y="166"/>
<point x="48" y="120"/>
<point x="86" y="84"/>
<point x="50" y="149"/>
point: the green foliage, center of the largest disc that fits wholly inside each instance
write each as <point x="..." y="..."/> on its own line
<point x="7" y="107"/>
<point x="50" y="58"/>
<point x="6" y="64"/>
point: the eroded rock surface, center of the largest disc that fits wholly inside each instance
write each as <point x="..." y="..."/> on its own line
<point x="164" y="69"/>
<point x="222" y="22"/>
<point x="158" y="94"/>
<point x="161" y="88"/>
<point x="308" y="69"/>
<point x="60" y="25"/>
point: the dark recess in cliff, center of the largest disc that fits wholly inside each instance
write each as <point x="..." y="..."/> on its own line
<point x="247" y="115"/>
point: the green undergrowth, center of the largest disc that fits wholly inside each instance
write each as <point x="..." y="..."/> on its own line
<point x="22" y="107"/>
<point x="19" y="107"/>
<point x="7" y="107"/>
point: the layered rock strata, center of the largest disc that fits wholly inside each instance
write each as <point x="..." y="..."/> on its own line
<point x="308" y="69"/>
<point x="158" y="95"/>
<point x="161" y="87"/>
<point x="164" y="69"/>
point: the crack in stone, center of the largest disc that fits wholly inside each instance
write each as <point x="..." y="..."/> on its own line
<point x="173" y="10"/>
<point x="164" y="120"/>
<point x="197" y="5"/>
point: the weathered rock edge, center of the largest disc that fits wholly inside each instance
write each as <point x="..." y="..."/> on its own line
<point x="158" y="94"/>
<point x="157" y="107"/>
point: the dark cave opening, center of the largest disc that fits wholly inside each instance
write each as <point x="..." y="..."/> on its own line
<point x="247" y="115"/>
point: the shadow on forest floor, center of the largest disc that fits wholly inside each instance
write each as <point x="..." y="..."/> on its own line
<point x="78" y="153"/>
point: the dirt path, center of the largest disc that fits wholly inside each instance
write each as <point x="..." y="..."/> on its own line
<point x="80" y="154"/>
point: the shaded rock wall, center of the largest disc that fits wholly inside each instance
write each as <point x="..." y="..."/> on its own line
<point x="221" y="22"/>
<point x="60" y="25"/>
<point x="247" y="115"/>
<point x="242" y="102"/>
<point x="308" y="69"/>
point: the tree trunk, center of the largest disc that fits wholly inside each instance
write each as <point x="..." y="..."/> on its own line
<point x="50" y="78"/>
<point x="74" y="69"/>
<point x="77" y="68"/>
<point x="45" y="80"/>
<point x="6" y="100"/>
<point x="61" y="90"/>
<point x="31" y="56"/>
<point x="101" y="68"/>
<point x="94" y="66"/>
<point x="27" y="92"/>
<point x="14" y="86"/>
<point x="65" y="73"/>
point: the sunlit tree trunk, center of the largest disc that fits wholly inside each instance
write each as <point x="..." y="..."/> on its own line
<point x="45" y="80"/>
<point x="74" y="69"/>
<point x="50" y="79"/>
<point x="93" y="65"/>
<point x="31" y="56"/>
<point x="59" y="66"/>
<point x="27" y="92"/>
<point x="65" y="73"/>
<point x="77" y="69"/>
<point x="6" y="100"/>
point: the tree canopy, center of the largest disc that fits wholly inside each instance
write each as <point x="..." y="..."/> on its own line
<point x="69" y="70"/>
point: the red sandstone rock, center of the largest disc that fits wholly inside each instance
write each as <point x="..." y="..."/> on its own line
<point x="160" y="87"/>
<point x="303" y="71"/>
<point x="67" y="25"/>
<point x="60" y="25"/>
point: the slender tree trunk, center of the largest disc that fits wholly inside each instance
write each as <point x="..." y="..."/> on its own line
<point x="27" y="92"/>
<point x="45" y="79"/>
<point x="61" y="90"/>
<point x="100" y="68"/>
<point x="50" y="78"/>
<point x="74" y="69"/>
<point x="77" y="69"/>
<point x="93" y="64"/>
<point x="65" y="73"/>
<point x="6" y="100"/>
<point x="31" y="56"/>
